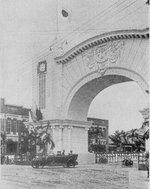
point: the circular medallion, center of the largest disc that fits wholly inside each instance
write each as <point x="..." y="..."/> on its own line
<point x="42" y="67"/>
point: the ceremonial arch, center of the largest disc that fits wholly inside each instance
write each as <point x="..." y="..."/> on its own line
<point x="67" y="84"/>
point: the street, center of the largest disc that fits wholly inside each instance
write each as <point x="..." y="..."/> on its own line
<point x="103" y="176"/>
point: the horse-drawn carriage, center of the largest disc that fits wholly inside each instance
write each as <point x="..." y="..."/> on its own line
<point x="55" y="160"/>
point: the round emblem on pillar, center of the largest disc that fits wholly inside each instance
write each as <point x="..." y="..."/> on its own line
<point x="42" y="67"/>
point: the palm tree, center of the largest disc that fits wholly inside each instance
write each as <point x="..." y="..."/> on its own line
<point x="124" y="140"/>
<point x="124" y="137"/>
<point x="23" y="143"/>
<point x="136" y="139"/>
<point x="3" y="142"/>
<point x="116" y="138"/>
<point x="27" y="139"/>
<point x="146" y="135"/>
<point x="120" y="139"/>
<point x="45" y="138"/>
<point x="132" y="136"/>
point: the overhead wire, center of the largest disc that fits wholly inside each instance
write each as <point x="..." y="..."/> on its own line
<point x="43" y="54"/>
<point x="84" y="24"/>
<point x="104" y="20"/>
<point x="91" y="20"/>
<point x="43" y="50"/>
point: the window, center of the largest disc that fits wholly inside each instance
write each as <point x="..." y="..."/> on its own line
<point x="2" y="124"/>
<point x="14" y="126"/>
<point x="19" y="126"/>
<point x="8" y="126"/>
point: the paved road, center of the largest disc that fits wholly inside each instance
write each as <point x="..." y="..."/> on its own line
<point x="82" y="177"/>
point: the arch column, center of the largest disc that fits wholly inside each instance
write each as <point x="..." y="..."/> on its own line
<point x="86" y="139"/>
<point x="69" y="138"/>
<point x="60" y="144"/>
<point x="57" y="136"/>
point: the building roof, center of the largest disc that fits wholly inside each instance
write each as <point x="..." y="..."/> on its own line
<point x="17" y="110"/>
<point x="14" y="109"/>
<point x="98" y="122"/>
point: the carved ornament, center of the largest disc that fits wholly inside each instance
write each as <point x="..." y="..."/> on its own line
<point x="102" y="56"/>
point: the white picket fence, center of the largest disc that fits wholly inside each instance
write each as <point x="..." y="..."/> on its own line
<point x="117" y="157"/>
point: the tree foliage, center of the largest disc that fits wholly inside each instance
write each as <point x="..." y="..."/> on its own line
<point x="131" y="138"/>
<point x="3" y="138"/>
<point x="45" y="138"/>
<point x="3" y="142"/>
<point x="30" y="138"/>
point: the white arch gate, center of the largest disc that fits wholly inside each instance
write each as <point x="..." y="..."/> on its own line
<point x="75" y="78"/>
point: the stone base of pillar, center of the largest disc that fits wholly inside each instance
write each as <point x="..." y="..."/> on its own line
<point x="86" y="158"/>
<point x="69" y="135"/>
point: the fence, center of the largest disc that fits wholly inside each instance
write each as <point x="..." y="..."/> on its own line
<point x="13" y="159"/>
<point x="119" y="157"/>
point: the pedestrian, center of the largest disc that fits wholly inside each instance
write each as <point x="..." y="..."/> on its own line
<point x="147" y="163"/>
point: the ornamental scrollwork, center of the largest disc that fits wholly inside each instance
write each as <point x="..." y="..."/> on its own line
<point x="102" y="56"/>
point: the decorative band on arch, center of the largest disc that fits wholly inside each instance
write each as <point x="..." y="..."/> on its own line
<point x="100" y="39"/>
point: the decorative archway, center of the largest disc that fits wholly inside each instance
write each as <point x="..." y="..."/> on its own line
<point x="77" y="76"/>
<point x="119" y="53"/>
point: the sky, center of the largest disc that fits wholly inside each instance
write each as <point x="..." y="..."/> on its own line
<point x="26" y="33"/>
<point x="120" y="104"/>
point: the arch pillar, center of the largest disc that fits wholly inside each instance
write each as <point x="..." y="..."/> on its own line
<point x="64" y="134"/>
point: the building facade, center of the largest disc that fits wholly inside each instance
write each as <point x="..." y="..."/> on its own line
<point x="98" y="135"/>
<point x="11" y="119"/>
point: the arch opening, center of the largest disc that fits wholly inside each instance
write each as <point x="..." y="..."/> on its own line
<point x="120" y="104"/>
<point x="80" y="103"/>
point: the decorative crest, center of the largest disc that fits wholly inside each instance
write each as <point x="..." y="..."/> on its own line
<point x="103" y="55"/>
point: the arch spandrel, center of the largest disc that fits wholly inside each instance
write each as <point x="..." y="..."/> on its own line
<point x="100" y="39"/>
<point x="125" y="56"/>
